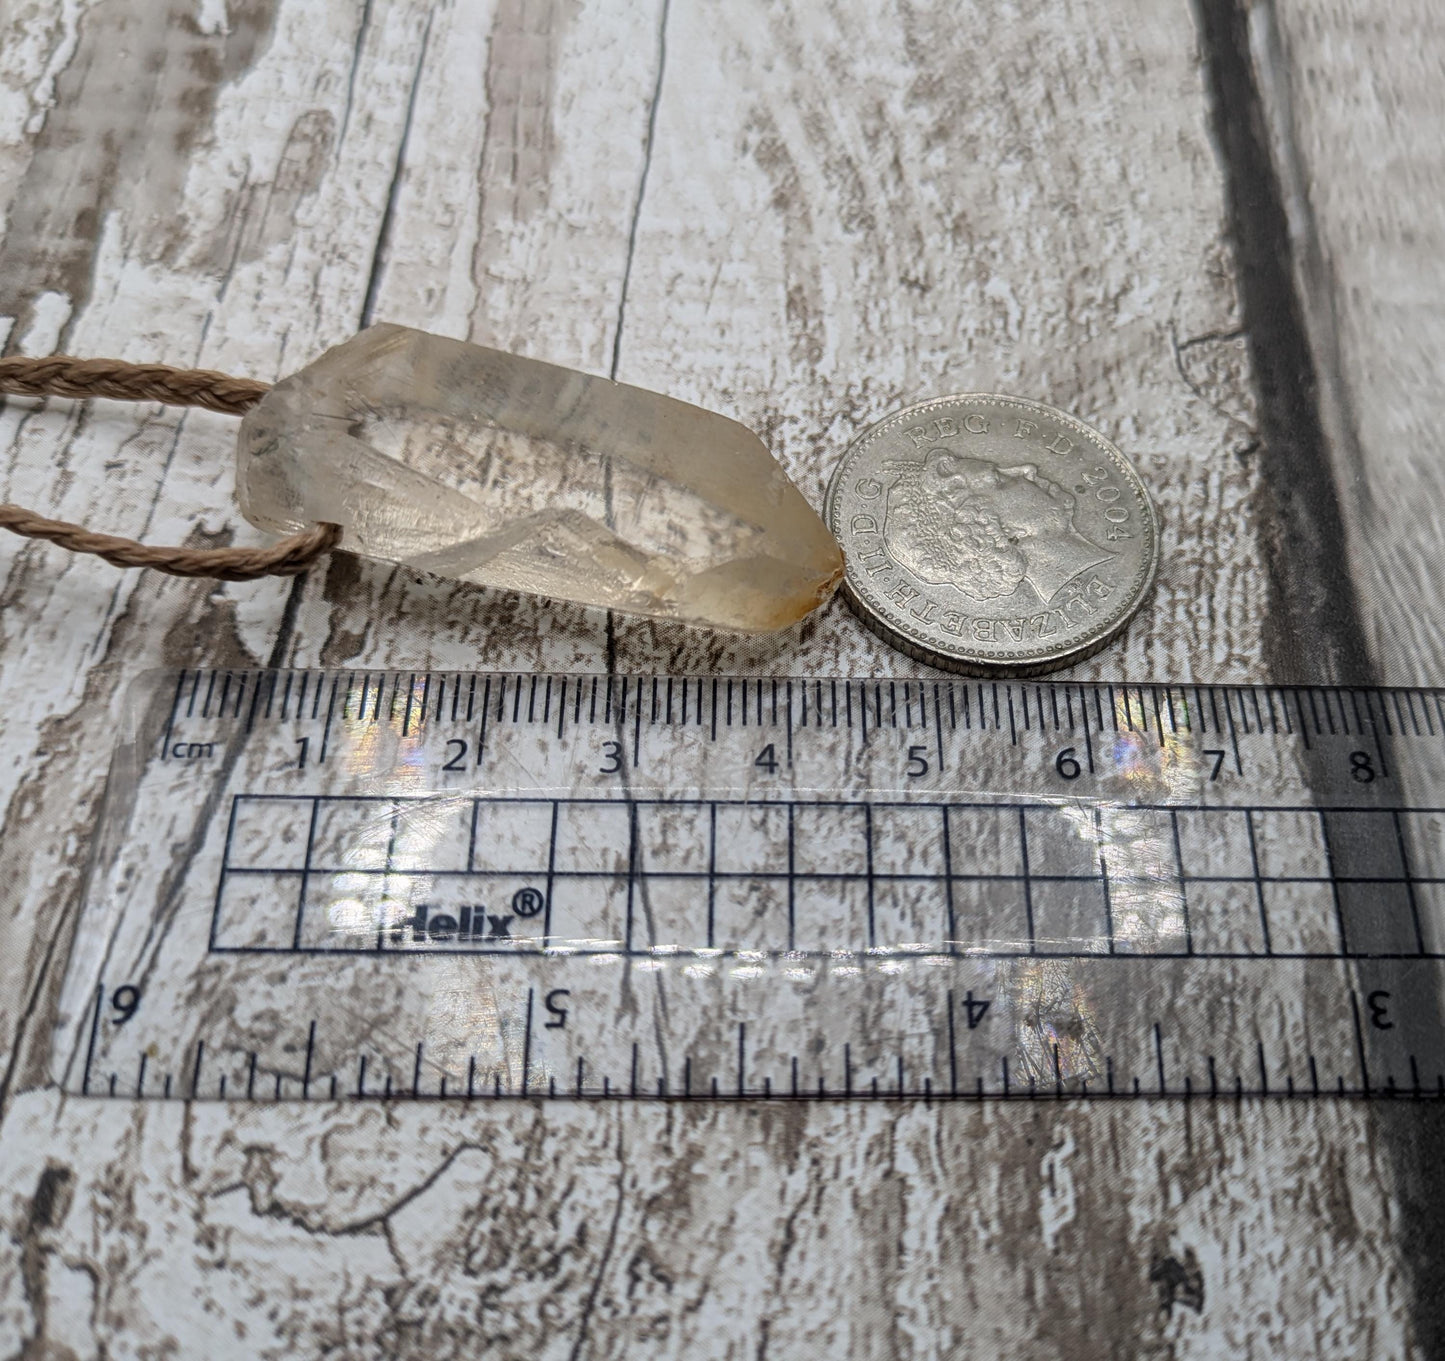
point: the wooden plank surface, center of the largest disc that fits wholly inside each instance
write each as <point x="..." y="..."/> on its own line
<point x="802" y="218"/>
<point x="1355" y="101"/>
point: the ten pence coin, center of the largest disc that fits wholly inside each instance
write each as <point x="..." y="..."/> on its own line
<point x="992" y="535"/>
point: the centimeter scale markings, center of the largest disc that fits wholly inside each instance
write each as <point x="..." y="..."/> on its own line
<point x="318" y="885"/>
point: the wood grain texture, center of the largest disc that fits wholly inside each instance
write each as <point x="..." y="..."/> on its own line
<point x="802" y="218"/>
<point x="731" y="1232"/>
<point x="1356" y="103"/>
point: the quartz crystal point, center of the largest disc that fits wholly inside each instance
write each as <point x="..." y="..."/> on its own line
<point x="508" y="472"/>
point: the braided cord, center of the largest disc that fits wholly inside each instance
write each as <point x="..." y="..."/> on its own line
<point x="63" y="376"/>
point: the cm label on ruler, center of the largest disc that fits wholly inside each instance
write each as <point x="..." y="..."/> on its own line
<point x="575" y="885"/>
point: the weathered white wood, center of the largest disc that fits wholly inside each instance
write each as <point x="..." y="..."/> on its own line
<point x="1357" y="98"/>
<point x="846" y="207"/>
<point x="591" y="1230"/>
<point x="826" y="237"/>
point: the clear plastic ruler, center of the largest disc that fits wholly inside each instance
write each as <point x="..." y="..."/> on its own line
<point x="317" y="885"/>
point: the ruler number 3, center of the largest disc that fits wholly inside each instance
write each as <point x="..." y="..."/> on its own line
<point x="1379" y="1005"/>
<point x="611" y="758"/>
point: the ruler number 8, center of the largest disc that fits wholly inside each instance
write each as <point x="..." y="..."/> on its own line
<point x="1362" y="770"/>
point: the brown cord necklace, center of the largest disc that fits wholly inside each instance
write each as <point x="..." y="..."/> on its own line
<point x="62" y="376"/>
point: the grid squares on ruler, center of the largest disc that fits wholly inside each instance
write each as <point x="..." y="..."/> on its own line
<point x="1289" y="844"/>
<point x="1363" y="845"/>
<point x="269" y="833"/>
<point x="513" y="837"/>
<point x="831" y="839"/>
<point x="507" y="874"/>
<point x="1424" y="833"/>
<point x="984" y="842"/>
<point x="1214" y="843"/>
<point x="751" y="838"/>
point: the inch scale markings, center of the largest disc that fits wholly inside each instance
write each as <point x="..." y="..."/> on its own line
<point x="476" y="887"/>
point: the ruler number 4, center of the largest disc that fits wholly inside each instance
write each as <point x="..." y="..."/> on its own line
<point x="975" y="1009"/>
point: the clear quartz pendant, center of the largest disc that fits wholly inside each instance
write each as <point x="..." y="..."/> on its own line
<point x="508" y="472"/>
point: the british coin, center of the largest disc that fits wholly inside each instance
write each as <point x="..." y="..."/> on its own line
<point x="992" y="535"/>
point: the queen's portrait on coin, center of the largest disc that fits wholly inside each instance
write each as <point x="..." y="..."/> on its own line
<point x="984" y="528"/>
